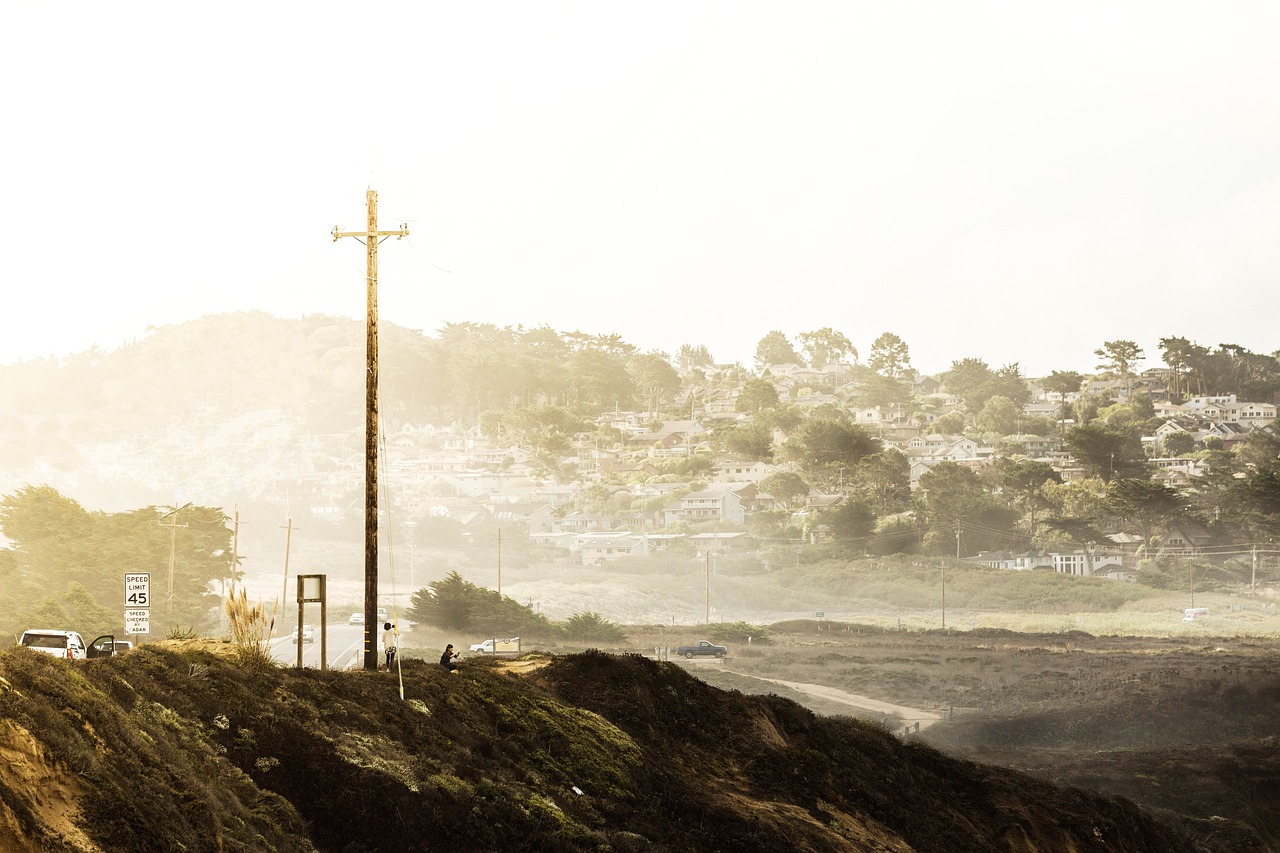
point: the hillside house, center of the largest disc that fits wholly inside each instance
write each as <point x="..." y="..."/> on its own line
<point x="576" y="522"/>
<point x="672" y="434"/>
<point x="1232" y="435"/>
<point x="924" y="452"/>
<point x="1186" y="538"/>
<point x="1036" y="446"/>
<point x="1171" y="426"/>
<point x="1196" y="404"/>
<point x="538" y="518"/>
<point x="1087" y="562"/>
<point x="497" y="457"/>
<point x="598" y="549"/>
<point x="721" y="542"/>
<point x="706" y="505"/>
<point x="733" y="469"/>
<point x="817" y="502"/>
<point x="1049" y="409"/>
<point x="1254" y="415"/>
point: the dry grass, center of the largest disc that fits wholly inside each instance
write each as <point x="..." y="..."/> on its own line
<point x="250" y="630"/>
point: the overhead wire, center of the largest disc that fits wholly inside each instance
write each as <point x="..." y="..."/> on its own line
<point x="391" y="564"/>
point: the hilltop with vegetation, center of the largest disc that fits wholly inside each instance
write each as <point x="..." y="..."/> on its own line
<point x="177" y="747"/>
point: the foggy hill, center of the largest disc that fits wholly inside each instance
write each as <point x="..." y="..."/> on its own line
<point x="215" y="406"/>
<point x="196" y="405"/>
<point x="173" y="746"/>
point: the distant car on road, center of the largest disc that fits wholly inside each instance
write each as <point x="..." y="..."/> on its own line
<point x="355" y="619"/>
<point x="61" y="644"/>
<point x="308" y="635"/>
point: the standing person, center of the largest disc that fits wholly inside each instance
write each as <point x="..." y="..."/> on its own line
<point x="389" y="643"/>
<point x="446" y="659"/>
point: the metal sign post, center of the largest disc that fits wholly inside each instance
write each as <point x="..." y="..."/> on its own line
<point x="313" y="588"/>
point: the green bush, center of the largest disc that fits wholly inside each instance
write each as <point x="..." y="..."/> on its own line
<point x="737" y="632"/>
<point x="458" y="605"/>
<point x="592" y="626"/>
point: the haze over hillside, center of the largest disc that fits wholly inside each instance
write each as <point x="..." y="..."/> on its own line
<point x="263" y="418"/>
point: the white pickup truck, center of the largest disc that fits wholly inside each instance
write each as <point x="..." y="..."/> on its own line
<point x="508" y="648"/>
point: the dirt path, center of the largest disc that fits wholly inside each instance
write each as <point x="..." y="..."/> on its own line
<point x="908" y="716"/>
<point x="525" y="665"/>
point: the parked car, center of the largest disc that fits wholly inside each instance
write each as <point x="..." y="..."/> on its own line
<point x="497" y="648"/>
<point x="108" y="646"/>
<point x="703" y="648"/>
<point x="308" y="635"/>
<point x="355" y="619"/>
<point x="60" y="644"/>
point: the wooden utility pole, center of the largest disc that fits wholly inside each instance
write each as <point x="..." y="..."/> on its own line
<point x="172" y="515"/>
<point x="235" y="547"/>
<point x="235" y="563"/>
<point x="371" y="237"/>
<point x="288" y="528"/>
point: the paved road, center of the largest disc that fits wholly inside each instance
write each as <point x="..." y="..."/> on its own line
<point x="345" y="647"/>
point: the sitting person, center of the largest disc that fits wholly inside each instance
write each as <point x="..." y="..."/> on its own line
<point x="446" y="659"/>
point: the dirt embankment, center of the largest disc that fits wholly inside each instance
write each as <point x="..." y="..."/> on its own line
<point x="49" y="800"/>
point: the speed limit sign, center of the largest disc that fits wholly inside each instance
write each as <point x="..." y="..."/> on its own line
<point x="137" y="589"/>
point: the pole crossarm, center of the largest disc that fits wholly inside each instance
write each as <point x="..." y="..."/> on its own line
<point x="399" y="235"/>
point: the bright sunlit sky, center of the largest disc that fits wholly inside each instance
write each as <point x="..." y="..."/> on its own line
<point x="1009" y="181"/>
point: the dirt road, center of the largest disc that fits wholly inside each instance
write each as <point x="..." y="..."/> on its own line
<point x="908" y="716"/>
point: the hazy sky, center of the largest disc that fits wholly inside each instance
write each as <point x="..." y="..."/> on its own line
<point x="1011" y="181"/>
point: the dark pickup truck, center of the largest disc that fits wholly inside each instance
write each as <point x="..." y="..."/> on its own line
<point x="703" y="647"/>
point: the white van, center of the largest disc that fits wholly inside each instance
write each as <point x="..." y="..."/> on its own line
<point x="60" y="644"/>
<point x="1191" y="614"/>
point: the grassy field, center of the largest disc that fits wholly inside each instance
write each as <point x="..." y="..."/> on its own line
<point x="884" y="593"/>
<point x="912" y="593"/>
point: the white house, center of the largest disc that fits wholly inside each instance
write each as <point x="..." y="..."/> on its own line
<point x="706" y="505"/>
<point x="605" y="548"/>
<point x="732" y="469"/>
<point x="1078" y="562"/>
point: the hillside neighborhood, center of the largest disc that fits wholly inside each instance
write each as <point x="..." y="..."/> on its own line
<point x="589" y="452"/>
<point x="475" y="481"/>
